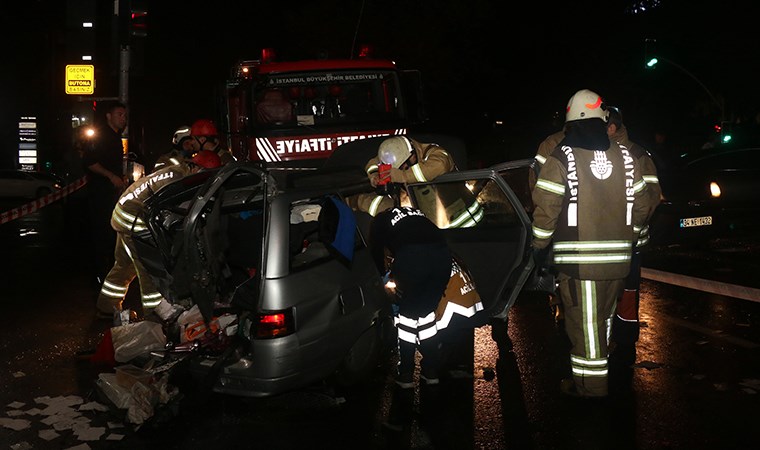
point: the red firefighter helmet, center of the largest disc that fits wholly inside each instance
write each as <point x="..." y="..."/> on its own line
<point x="207" y="159"/>
<point x="203" y="127"/>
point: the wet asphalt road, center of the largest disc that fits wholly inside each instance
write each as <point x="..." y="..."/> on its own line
<point x="695" y="383"/>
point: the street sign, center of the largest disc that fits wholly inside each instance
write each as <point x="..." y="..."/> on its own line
<point x="27" y="142"/>
<point x="80" y="79"/>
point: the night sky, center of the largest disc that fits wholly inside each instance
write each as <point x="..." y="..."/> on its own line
<point x="519" y="61"/>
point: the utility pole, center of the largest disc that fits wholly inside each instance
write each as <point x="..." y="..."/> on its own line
<point x="122" y="15"/>
<point x="120" y="35"/>
<point x="124" y="73"/>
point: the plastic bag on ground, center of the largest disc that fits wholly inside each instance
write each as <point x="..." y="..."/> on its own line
<point x="135" y="339"/>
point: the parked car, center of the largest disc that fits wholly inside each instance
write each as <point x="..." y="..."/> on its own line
<point x="31" y="185"/>
<point x="256" y="240"/>
<point x="707" y="194"/>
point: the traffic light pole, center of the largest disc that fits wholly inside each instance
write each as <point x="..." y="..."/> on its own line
<point x="124" y="74"/>
<point x="719" y="104"/>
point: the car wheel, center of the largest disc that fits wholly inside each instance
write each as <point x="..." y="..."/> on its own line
<point x="43" y="191"/>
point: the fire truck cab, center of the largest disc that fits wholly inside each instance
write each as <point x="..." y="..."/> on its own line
<point x="300" y="111"/>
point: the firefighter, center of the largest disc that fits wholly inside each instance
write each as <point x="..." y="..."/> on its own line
<point x="206" y="137"/>
<point x="544" y="149"/>
<point x="625" y="326"/>
<point x="127" y="219"/>
<point x="583" y="175"/>
<point x="182" y="149"/>
<point x="410" y="162"/>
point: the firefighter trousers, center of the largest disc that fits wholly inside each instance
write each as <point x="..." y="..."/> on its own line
<point x="589" y="307"/>
<point x="126" y="267"/>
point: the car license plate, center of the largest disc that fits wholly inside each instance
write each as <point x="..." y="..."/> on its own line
<point x="696" y="221"/>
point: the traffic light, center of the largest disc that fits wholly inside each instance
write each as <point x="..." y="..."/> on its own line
<point x="138" y="23"/>
<point x="724" y="130"/>
<point x="650" y="58"/>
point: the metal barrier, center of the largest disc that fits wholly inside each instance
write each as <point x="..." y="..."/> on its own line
<point x="700" y="284"/>
<point x="41" y="202"/>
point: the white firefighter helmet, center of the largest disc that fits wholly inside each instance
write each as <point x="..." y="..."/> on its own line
<point x="180" y="135"/>
<point x="395" y="151"/>
<point x="585" y="104"/>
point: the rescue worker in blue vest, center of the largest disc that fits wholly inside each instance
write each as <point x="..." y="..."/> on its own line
<point x="625" y="326"/>
<point x="182" y="149"/>
<point x="589" y="207"/>
<point x="127" y="218"/>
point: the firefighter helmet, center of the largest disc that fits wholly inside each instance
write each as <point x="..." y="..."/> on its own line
<point x="585" y="104"/>
<point x="180" y="135"/>
<point x="207" y="159"/>
<point x="395" y="151"/>
<point x="203" y="127"/>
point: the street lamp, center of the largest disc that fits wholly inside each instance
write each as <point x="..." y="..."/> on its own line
<point x="652" y="61"/>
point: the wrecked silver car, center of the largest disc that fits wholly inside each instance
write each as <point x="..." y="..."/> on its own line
<point x="278" y="249"/>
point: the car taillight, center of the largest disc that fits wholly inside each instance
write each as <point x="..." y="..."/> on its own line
<point x="273" y="324"/>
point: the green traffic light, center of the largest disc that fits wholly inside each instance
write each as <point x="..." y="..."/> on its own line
<point x="727" y="139"/>
<point x="652" y="62"/>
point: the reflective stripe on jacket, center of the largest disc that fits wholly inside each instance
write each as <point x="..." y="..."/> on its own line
<point x="591" y="206"/>
<point x="128" y="212"/>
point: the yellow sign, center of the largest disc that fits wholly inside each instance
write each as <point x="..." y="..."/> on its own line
<point x="80" y="79"/>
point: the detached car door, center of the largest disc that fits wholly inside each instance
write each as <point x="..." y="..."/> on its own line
<point x="486" y="217"/>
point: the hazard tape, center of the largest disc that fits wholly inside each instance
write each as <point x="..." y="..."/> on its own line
<point x="41" y="202"/>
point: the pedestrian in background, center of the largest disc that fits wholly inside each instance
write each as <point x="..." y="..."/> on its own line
<point x="625" y="326"/>
<point x="589" y="208"/>
<point x="104" y="166"/>
<point x="128" y="218"/>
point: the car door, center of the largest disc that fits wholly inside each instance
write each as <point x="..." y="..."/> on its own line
<point x="486" y="217"/>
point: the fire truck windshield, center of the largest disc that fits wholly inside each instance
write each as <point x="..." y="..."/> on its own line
<point x="328" y="98"/>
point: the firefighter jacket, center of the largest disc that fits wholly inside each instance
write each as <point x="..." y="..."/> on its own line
<point x="548" y="145"/>
<point x="128" y="213"/>
<point x="225" y="155"/>
<point x="171" y="158"/>
<point x="648" y="173"/>
<point x="590" y="205"/>
<point x="432" y="161"/>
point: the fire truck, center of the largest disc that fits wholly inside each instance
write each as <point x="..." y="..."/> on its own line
<point x="300" y="111"/>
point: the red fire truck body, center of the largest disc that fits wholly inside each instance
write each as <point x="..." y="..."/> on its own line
<point x="302" y="110"/>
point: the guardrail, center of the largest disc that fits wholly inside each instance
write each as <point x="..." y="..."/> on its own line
<point x="700" y="284"/>
<point x="41" y="202"/>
